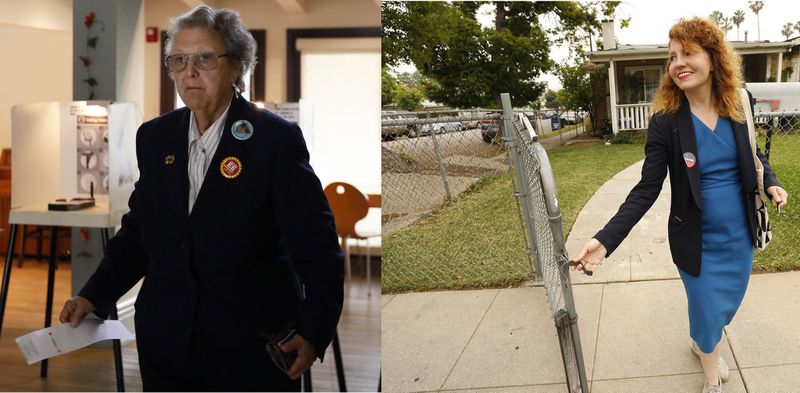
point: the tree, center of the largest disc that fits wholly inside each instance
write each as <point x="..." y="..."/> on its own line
<point x="469" y="65"/>
<point x="409" y="99"/>
<point x="726" y="26"/>
<point x="720" y="20"/>
<point x="388" y="86"/>
<point x="410" y="80"/>
<point x="716" y="17"/>
<point x="756" y="7"/>
<point x="797" y="27"/>
<point x="551" y="100"/>
<point x="787" y="31"/>
<point x="577" y="91"/>
<point x="737" y="19"/>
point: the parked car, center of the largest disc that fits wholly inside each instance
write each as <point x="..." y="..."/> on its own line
<point x="548" y="114"/>
<point x="470" y="124"/>
<point x="489" y="130"/>
<point x="440" y="128"/>
<point x="393" y="132"/>
<point x="569" y="118"/>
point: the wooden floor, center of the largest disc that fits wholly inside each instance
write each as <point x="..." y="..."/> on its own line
<point x="92" y="369"/>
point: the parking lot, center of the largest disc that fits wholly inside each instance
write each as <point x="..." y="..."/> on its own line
<point x="419" y="173"/>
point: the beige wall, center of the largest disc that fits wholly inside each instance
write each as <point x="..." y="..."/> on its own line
<point x="40" y="69"/>
<point x="42" y="14"/>
<point x="130" y="71"/>
<point x="39" y="33"/>
<point x="259" y="14"/>
<point x="156" y="14"/>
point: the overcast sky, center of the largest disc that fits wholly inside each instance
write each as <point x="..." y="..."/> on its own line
<point x="651" y="20"/>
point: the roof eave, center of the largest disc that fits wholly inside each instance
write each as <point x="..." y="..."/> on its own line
<point x="650" y="53"/>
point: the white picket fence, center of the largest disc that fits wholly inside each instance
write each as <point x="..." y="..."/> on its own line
<point x="633" y="116"/>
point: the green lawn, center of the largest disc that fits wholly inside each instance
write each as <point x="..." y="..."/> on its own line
<point x="783" y="253"/>
<point x="477" y="241"/>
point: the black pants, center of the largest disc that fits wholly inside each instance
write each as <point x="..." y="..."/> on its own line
<point x="201" y="369"/>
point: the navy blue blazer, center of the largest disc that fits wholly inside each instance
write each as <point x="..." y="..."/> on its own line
<point x="669" y="136"/>
<point x="235" y="266"/>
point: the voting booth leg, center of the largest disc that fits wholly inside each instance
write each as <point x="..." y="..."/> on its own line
<point x="51" y="275"/>
<point x="307" y="381"/>
<point x="118" y="357"/>
<point x="369" y="273"/>
<point x="337" y="355"/>
<point x="21" y="257"/>
<point x="12" y="237"/>
<point x="115" y="343"/>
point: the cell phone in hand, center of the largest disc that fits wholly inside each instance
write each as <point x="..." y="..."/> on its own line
<point x="283" y="360"/>
<point x="576" y="263"/>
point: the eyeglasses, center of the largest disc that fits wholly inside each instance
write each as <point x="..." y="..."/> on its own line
<point x="205" y="61"/>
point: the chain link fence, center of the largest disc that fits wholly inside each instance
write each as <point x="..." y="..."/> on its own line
<point x="432" y="159"/>
<point x="779" y="140"/>
<point x="432" y="162"/>
<point x="535" y="192"/>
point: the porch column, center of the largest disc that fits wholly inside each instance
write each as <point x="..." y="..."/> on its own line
<point x="766" y="77"/>
<point x="780" y="66"/>
<point x="612" y="85"/>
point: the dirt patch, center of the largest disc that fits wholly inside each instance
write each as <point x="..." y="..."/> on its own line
<point x="398" y="162"/>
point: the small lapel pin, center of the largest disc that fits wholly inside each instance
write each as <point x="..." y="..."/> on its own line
<point x="690" y="159"/>
<point x="169" y="159"/>
<point x="242" y="130"/>
<point x="230" y="167"/>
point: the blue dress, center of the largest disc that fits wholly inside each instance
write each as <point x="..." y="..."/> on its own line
<point x="727" y="255"/>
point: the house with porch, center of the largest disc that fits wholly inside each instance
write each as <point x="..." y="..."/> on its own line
<point x="634" y="72"/>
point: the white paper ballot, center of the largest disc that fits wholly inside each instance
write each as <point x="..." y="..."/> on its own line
<point x="58" y="340"/>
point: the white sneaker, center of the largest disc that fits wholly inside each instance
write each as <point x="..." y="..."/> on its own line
<point x="713" y="388"/>
<point x="722" y="366"/>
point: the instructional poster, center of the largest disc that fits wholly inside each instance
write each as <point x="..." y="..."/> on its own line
<point x="92" y="134"/>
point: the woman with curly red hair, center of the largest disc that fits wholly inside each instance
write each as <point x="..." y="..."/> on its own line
<point x="698" y="132"/>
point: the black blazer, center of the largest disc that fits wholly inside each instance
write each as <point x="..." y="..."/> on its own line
<point x="669" y="136"/>
<point x="233" y="268"/>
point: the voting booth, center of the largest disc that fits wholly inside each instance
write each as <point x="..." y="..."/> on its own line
<point x="66" y="150"/>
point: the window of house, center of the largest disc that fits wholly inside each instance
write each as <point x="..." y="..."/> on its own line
<point x="340" y="81"/>
<point x="640" y="84"/>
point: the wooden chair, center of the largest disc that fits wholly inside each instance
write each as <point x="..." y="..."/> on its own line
<point x="349" y="206"/>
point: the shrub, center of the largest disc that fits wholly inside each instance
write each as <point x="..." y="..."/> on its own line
<point x="622" y="138"/>
<point x="630" y="138"/>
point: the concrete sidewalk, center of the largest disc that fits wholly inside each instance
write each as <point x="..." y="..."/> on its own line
<point x="632" y="321"/>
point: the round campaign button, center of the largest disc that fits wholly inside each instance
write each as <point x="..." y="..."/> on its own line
<point x="242" y="130"/>
<point x="690" y="159"/>
<point x="230" y="167"/>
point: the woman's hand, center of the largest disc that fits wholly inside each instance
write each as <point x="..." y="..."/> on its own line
<point x="779" y="195"/>
<point x="591" y="255"/>
<point x="75" y="310"/>
<point x="305" y="355"/>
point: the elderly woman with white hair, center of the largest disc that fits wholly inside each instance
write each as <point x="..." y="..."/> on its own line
<point x="228" y="226"/>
